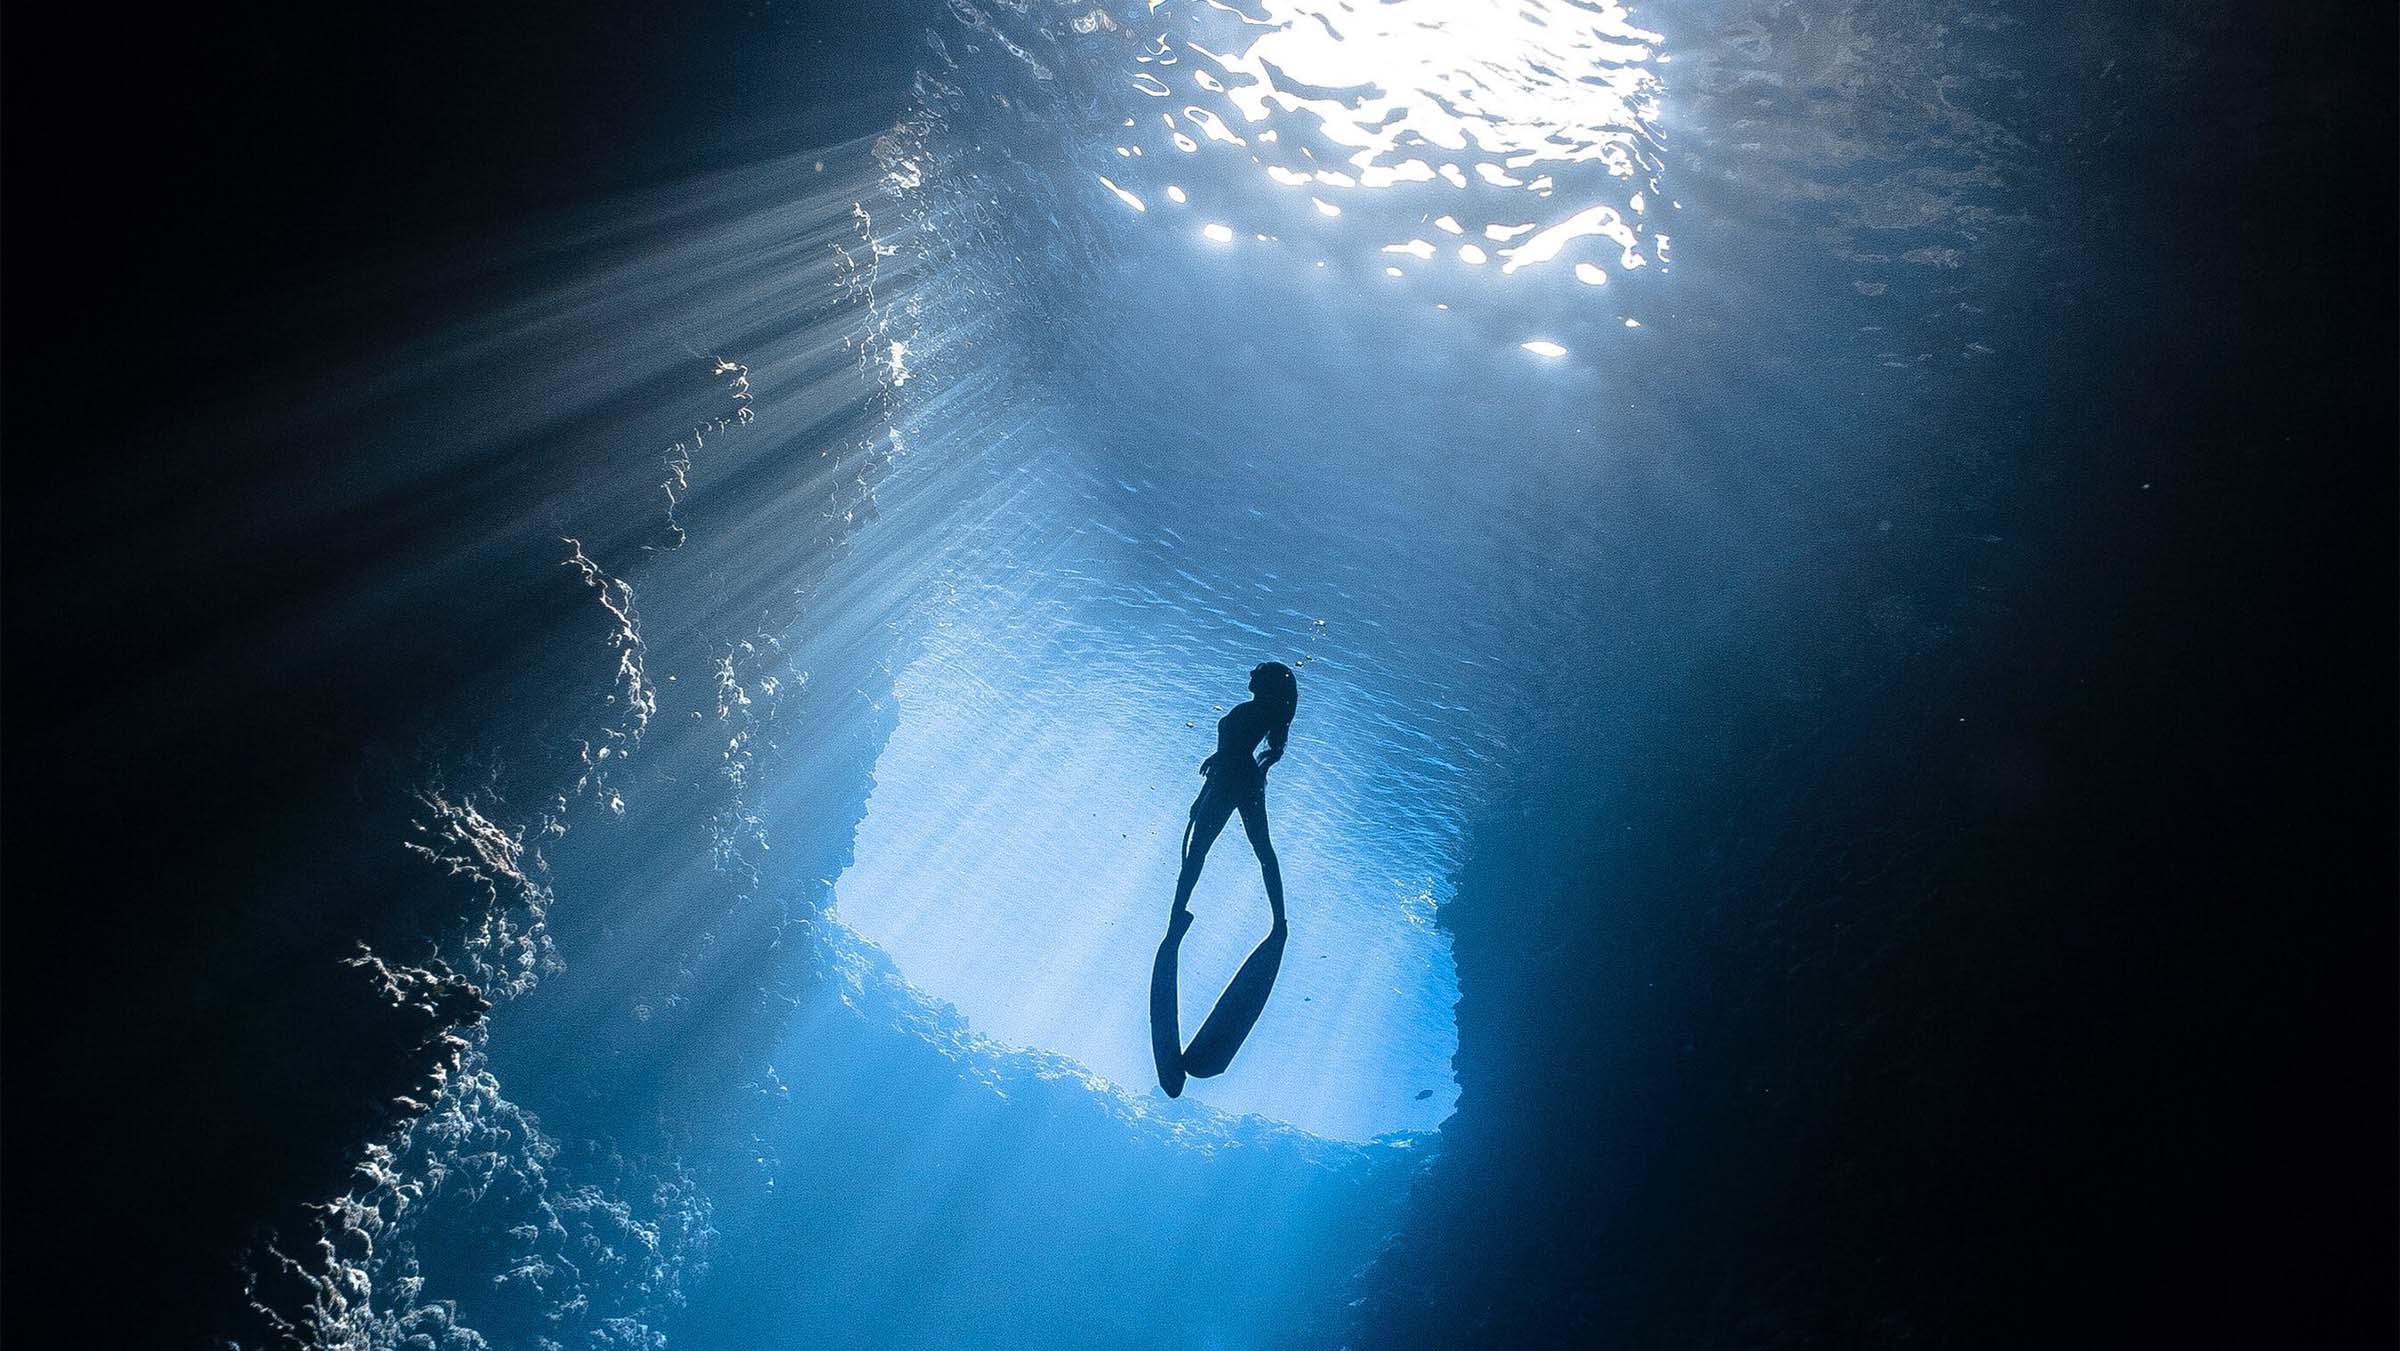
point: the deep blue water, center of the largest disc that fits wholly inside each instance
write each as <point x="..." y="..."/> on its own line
<point x="1739" y="485"/>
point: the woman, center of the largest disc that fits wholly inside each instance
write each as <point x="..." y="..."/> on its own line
<point x="1237" y="781"/>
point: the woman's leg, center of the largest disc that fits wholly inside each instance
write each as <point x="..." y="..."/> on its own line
<point x="1254" y="824"/>
<point x="1237" y="1010"/>
<point x="1208" y="817"/>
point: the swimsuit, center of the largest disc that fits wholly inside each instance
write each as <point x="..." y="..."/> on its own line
<point x="1234" y="768"/>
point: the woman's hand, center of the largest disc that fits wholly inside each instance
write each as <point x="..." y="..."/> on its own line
<point x="1208" y="766"/>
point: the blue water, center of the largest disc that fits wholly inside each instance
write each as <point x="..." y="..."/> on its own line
<point x="1240" y="471"/>
<point x="1065" y="680"/>
<point x="971" y="466"/>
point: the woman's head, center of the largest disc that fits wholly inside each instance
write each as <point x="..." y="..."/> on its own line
<point x="1276" y="686"/>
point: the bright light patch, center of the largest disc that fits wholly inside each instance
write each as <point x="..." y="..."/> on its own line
<point x="1212" y="126"/>
<point x="1599" y="220"/>
<point x="1474" y="115"/>
<point x="1223" y="234"/>
<point x="1543" y="347"/>
<point x="1122" y="195"/>
<point x="1406" y="171"/>
<point x="1175" y="194"/>
<point x="1590" y="275"/>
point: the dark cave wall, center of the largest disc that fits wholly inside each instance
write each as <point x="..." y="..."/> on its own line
<point x="2020" y="973"/>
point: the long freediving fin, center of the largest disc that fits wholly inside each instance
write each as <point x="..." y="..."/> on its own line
<point x="1237" y="1011"/>
<point x="1166" y="1033"/>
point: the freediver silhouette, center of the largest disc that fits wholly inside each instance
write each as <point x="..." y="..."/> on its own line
<point x="1237" y="781"/>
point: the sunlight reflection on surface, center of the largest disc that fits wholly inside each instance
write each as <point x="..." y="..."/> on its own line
<point x="1519" y="116"/>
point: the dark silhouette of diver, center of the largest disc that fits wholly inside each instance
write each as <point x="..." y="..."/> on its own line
<point x="1237" y="781"/>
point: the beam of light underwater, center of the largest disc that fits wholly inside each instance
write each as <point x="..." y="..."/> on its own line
<point x="709" y="672"/>
<point x="515" y="460"/>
